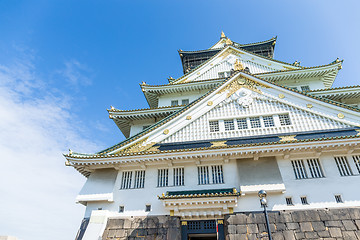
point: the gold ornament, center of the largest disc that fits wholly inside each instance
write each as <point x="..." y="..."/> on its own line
<point x="281" y="95"/>
<point x="287" y="138"/>
<point x="240" y="82"/>
<point x="210" y="103"/>
<point x="218" y="144"/>
<point x="341" y="116"/>
<point x="166" y="131"/>
<point x="309" y="105"/>
<point x="238" y="66"/>
<point x="223" y="34"/>
<point x="188" y="117"/>
<point x="228" y="41"/>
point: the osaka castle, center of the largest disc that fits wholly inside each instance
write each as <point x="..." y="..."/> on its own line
<point x="236" y="122"/>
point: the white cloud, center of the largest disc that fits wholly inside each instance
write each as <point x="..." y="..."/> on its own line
<point x="37" y="191"/>
<point x="75" y="73"/>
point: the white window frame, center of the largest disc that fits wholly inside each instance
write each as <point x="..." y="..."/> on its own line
<point x="212" y="173"/>
<point x="178" y="176"/>
<point x="312" y="168"/>
<point x="163" y="177"/>
<point x="132" y="181"/>
<point x="343" y="166"/>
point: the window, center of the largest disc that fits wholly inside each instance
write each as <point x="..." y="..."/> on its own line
<point x="145" y="127"/>
<point x="357" y="162"/>
<point x="268" y="121"/>
<point x="343" y="166"/>
<point x="126" y="180"/>
<point x="314" y="168"/>
<point x="224" y="74"/>
<point x="185" y="101"/>
<point x="139" y="179"/>
<point x="147" y="208"/>
<point x="242" y="123"/>
<point x="203" y="175"/>
<point x="229" y="125"/>
<point x="214" y="126"/>
<point x="174" y="102"/>
<point x="299" y="169"/>
<point x="284" y="119"/>
<point x="217" y="174"/>
<point x="305" y="88"/>
<point x="304" y="200"/>
<point x="289" y="201"/>
<point x="163" y="177"/>
<point x="178" y="176"/>
<point x="99" y="208"/>
<point x="338" y="198"/>
<point x="121" y="209"/>
<point x="255" y="122"/>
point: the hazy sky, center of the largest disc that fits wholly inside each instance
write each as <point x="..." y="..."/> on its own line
<point x="63" y="63"/>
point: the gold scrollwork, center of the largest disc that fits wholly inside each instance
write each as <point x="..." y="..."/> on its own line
<point x="240" y="82"/>
<point x="139" y="147"/>
<point x="287" y="138"/>
<point x="340" y="115"/>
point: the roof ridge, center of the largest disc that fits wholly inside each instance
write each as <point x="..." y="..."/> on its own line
<point x="336" y="88"/>
<point x="141" y="109"/>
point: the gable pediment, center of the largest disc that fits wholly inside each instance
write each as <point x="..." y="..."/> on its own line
<point x="244" y="96"/>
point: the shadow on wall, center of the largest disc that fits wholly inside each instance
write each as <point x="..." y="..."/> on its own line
<point x="154" y="227"/>
<point x="83" y="226"/>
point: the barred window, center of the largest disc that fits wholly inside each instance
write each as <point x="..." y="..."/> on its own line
<point x="139" y="179"/>
<point x="305" y="88"/>
<point x="229" y="125"/>
<point x="126" y="180"/>
<point x="221" y="74"/>
<point x="185" y="102"/>
<point x="343" y="166"/>
<point x="174" y="102"/>
<point x="315" y="168"/>
<point x="203" y="175"/>
<point x="357" y="162"/>
<point x="121" y="209"/>
<point x="299" y="169"/>
<point x="217" y="174"/>
<point x="338" y="199"/>
<point x="268" y="121"/>
<point x="178" y="176"/>
<point x="289" y="201"/>
<point x="214" y="126"/>
<point x="284" y="119"/>
<point x="163" y="177"/>
<point x="255" y="122"/>
<point x="242" y="123"/>
<point x="304" y="200"/>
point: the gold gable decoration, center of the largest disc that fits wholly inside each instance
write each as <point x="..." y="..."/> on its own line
<point x="238" y="65"/>
<point x="139" y="147"/>
<point x="241" y="82"/>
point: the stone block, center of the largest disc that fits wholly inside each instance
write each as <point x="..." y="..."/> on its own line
<point x="299" y="235"/>
<point x="318" y="226"/>
<point x="357" y="223"/>
<point x="262" y="228"/>
<point x="252" y="237"/>
<point x="349" y="235"/>
<point x="115" y="223"/>
<point x="355" y="213"/>
<point x="311" y="235"/>
<point x="277" y="236"/>
<point x="241" y="229"/>
<point x="250" y="218"/>
<point x="252" y="228"/>
<point x="173" y="234"/>
<point x="120" y="233"/>
<point x="335" y="232"/>
<point x="231" y="229"/>
<point x="239" y="218"/>
<point x="324" y="234"/>
<point x="292" y="225"/>
<point x="333" y="223"/>
<point x="349" y="225"/>
<point x="280" y="226"/>
<point x="306" y="227"/>
<point x="340" y="214"/>
<point x="127" y="223"/>
<point x="289" y="235"/>
<point x="324" y="215"/>
<point x="237" y="237"/>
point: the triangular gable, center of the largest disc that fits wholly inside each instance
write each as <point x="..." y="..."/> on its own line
<point x="224" y="61"/>
<point x="327" y="113"/>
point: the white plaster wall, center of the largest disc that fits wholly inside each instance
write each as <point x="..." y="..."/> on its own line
<point x="313" y="83"/>
<point x="137" y="126"/>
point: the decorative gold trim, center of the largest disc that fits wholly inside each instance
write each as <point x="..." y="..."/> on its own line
<point x="209" y="103"/>
<point x="269" y="64"/>
<point x="218" y="144"/>
<point x="240" y="82"/>
<point x="231" y="210"/>
<point x="309" y="105"/>
<point x="228" y="41"/>
<point x="222" y="34"/>
<point x="139" y="147"/>
<point x="198" y="73"/>
<point x="358" y="130"/>
<point x="238" y="65"/>
<point x="188" y="117"/>
<point x="184" y="223"/>
<point x="220" y="221"/>
<point x="340" y="115"/>
<point x="67" y="163"/>
<point x="171" y="213"/>
<point x="166" y="131"/>
<point x="281" y="95"/>
<point x="287" y="138"/>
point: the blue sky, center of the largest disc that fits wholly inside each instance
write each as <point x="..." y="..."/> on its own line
<point x="63" y="63"/>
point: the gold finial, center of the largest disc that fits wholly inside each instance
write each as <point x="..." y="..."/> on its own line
<point x="67" y="163"/>
<point x="222" y="35"/>
<point x="170" y="78"/>
<point x="337" y="60"/>
<point x="163" y="194"/>
<point x="143" y="83"/>
<point x="228" y="41"/>
<point x="238" y="66"/>
<point x="70" y="152"/>
<point x="112" y="108"/>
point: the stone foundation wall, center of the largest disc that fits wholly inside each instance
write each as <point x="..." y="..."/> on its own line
<point x="293" y="225"/>
<point x="154" y="228"/>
